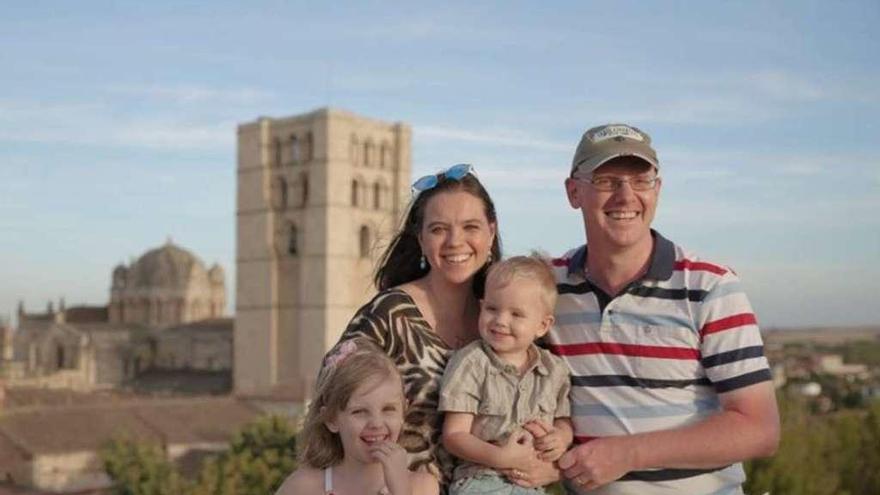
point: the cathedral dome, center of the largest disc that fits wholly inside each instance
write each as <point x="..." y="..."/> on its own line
<point x="216" y="274"/>
<point x="169" y="266"/>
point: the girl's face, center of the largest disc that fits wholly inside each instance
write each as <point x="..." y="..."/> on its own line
<point x="456" y="236"/>
<point x="374" y="414"/>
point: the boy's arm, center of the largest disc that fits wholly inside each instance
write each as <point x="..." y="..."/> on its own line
<point x="460" y="442"/>
<point x="563" y="426"/>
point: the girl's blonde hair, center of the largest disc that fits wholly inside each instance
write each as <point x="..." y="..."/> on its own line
<point x="349" y="365"/>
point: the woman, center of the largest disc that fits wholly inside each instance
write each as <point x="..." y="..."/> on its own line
<point x="430" y="280"/>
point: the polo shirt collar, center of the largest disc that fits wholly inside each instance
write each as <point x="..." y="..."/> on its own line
<point x="538" y="365"/>
<point x="662" y="259"/>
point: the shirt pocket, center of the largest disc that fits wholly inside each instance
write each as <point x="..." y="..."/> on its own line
<point x="547" y="408"/>
<point x="494" y="410"/>
<point x="665" y="352"/>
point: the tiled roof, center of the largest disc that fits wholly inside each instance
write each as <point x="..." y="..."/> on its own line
<point x="87" y="427"/>
<point x="86" y="314"/>
<point x="209" y="325"/>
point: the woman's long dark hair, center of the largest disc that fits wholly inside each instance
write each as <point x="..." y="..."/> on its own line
<point x="399" y="263"/>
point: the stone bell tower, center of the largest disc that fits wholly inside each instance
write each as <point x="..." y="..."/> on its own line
<point x="319" y="196"/>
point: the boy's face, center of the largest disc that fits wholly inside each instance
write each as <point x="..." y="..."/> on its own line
<point x="512" y="316"/>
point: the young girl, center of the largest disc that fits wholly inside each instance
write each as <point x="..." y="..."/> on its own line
<point x="349" y="438"/>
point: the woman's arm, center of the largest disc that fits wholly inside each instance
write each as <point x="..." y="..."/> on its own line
<point x="424" y="484"/>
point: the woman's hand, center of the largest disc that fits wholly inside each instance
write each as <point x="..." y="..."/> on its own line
<point x="393" y="459"/>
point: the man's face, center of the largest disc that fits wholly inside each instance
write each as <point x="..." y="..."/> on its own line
<point x="620" y="218"/>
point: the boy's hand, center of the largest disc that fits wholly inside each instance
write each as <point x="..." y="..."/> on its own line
<point x="551" y="446"/>
<point x="518" y="452"/>
<point x="393" y="459"/>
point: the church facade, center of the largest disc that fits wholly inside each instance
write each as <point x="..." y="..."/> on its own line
<point x="166" y="312"/>
<point x="318" y="198"/>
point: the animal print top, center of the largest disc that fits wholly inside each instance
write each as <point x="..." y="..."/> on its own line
<point x="393" y="321"/>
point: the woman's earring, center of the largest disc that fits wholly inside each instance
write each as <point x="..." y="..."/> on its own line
<point x="423" y="263"/>
<point x="489" y="259"/>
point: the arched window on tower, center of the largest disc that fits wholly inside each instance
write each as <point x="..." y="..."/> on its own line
<point x="276" y="152"/>
<point x="293" y="241"/>
<point x="368" y="150"/>
<point x="354" y="151"/>
<point x="278" y="193"/>
<point x="377" y="195"/>
<point x="304" y="180"/>
<point x="383" y="158"/>
<point x="309" y="153"/>
<point x="59" y="357"/>
<point x="294" y="149"/>
<point x="355" y="199"/>
<point x="364" y="239"/>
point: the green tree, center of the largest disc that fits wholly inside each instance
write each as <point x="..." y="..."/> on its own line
<point x="802" y="464"/>
<point x="141" y="469"/>
<point x="260" y="457"/>
<point x="869" y="475"/>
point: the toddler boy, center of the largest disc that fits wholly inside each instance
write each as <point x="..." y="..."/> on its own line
<point x="494" y="386"/>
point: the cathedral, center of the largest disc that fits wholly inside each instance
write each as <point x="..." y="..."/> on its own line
<point x="166" y="312"/>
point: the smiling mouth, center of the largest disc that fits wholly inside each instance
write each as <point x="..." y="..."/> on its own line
<point x="622" y="215"/>
<point x="457" y="258"/>
<point x="371" y="439"/>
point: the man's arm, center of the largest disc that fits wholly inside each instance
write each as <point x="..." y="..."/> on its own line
<point x="746" y="427"/>
<point x="460" y="442"/>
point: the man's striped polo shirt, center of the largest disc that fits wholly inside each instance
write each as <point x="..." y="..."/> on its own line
<point x="656" y="356"/>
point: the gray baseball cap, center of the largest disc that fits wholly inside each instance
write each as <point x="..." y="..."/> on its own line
<point x="609" y="141"/>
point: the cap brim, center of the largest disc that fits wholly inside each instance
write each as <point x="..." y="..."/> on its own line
<point x="591" y="166"/>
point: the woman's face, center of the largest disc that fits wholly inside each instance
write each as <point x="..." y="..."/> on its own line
<point x="456" y="236"/>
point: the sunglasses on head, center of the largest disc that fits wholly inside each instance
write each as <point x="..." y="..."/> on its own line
<point x="428" y="182"/>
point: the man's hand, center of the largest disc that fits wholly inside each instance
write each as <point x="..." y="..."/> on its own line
<point x="598" y="461"/>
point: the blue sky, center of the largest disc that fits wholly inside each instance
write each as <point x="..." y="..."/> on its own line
<point x="117" y="126"/>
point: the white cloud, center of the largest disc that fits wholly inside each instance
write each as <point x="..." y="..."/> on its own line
<point x="174" y="135"/>
<point x="92" y="124"/>
<point x="501" y="137"/>
<point x="184" y="93"/>
<point x="709" y="110"/>
<point x="785" y="86"/>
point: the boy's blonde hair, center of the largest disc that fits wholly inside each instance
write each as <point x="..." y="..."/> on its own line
<point x="349" y="365"/>
<point x="534" y="267"/>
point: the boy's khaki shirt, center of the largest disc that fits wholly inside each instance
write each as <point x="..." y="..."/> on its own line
<point x="476" y="381"/>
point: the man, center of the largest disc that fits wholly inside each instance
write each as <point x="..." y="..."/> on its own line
<point x="670" y="387"/>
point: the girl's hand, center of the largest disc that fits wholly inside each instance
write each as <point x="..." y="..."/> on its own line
<point x="393" y="459"/>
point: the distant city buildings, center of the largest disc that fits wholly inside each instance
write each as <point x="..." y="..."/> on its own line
<point x="811" y="364"/>
<point x="318" y="197"/>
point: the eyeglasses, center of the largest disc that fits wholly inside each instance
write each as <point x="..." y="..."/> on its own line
<point x="428" y="182"/>
<point x="610" y="183"/>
